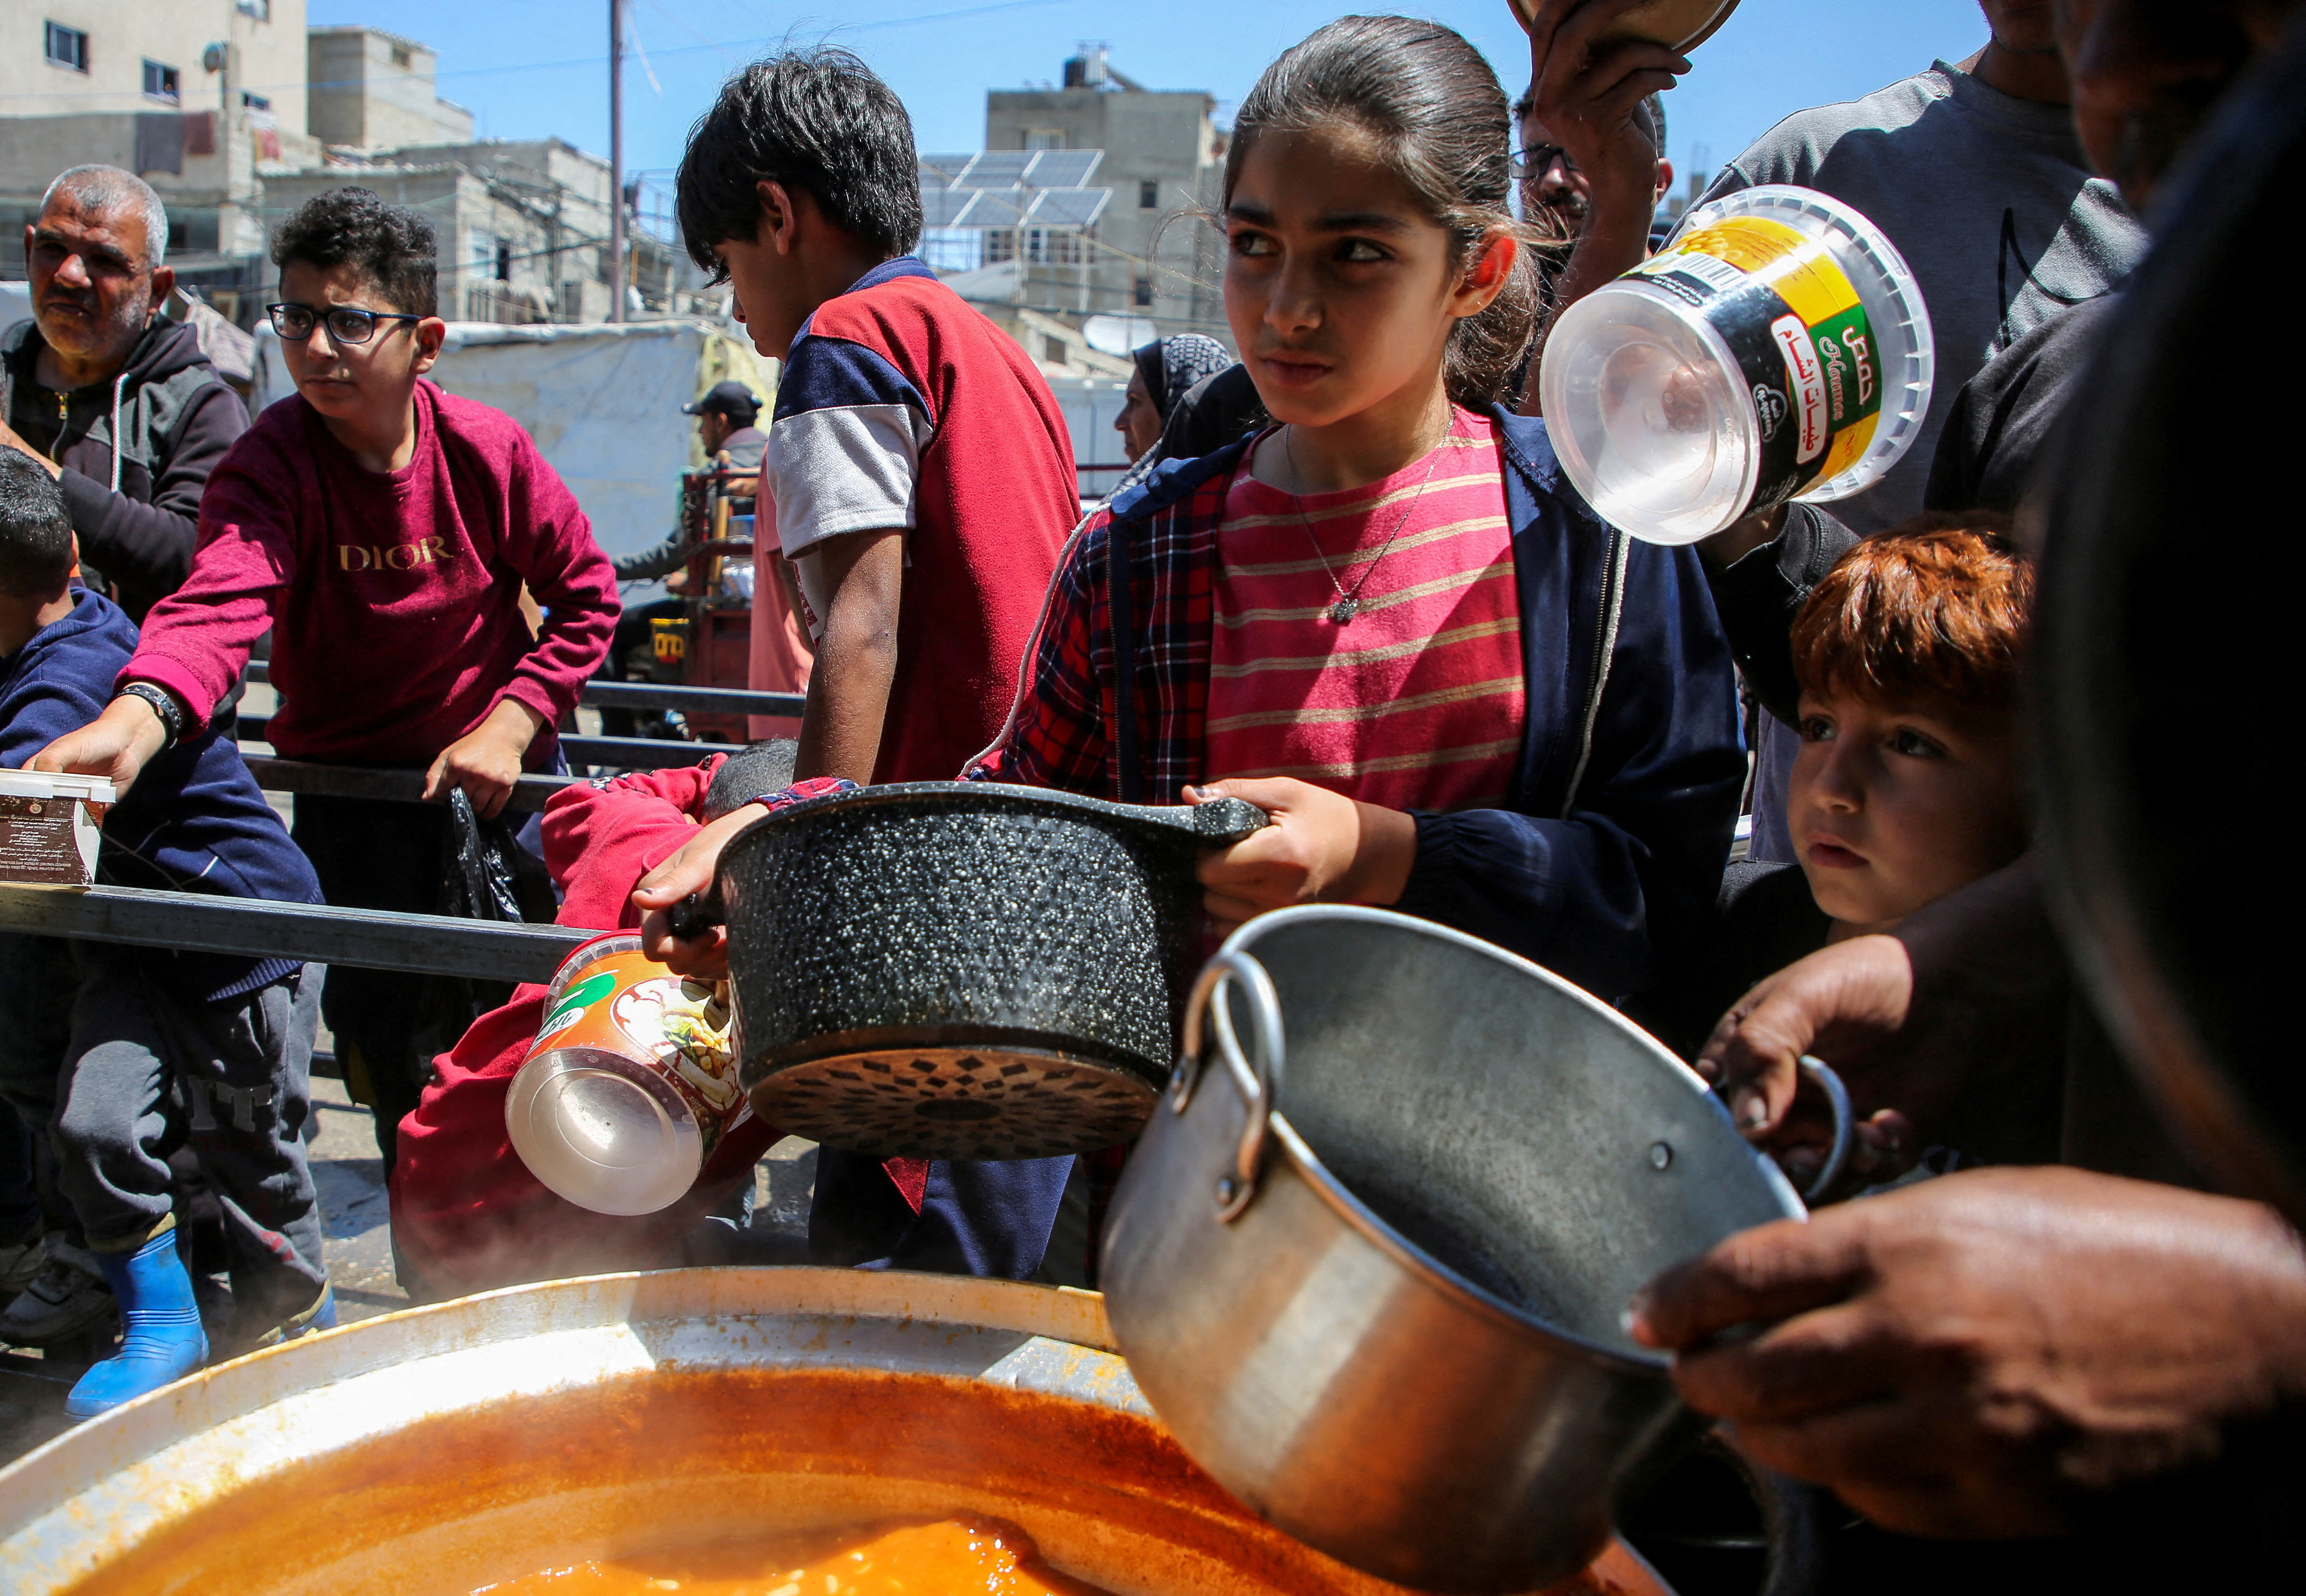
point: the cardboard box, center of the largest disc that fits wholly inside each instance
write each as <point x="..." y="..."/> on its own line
<point x="49" y="827"/>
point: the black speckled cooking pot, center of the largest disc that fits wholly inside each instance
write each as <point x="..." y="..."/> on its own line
<point x="965" y="969"/>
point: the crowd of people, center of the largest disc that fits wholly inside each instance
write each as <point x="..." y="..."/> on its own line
<point x="1347" y="580"/>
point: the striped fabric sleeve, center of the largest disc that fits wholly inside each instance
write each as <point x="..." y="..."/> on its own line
<point x="844" y="452"/>
<point x="1060" y="736"/>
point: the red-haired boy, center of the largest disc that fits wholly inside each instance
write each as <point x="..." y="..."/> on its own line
<point x="1906" y="786"/>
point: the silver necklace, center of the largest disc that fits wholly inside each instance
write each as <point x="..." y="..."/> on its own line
<point x="1349" y="600"/>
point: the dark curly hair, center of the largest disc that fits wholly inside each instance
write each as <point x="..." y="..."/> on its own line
<point x="1435" y="110"/>
<point x="36" y="532"/>
<point x="815" y="120"/>
<point x="393" y="247"/>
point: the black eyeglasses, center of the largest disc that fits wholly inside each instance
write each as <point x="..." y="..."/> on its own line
<point x="1532" y="161"/>
<point x="347" y="324"/>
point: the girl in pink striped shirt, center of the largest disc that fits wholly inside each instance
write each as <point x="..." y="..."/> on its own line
<point x="1387" y="619"/>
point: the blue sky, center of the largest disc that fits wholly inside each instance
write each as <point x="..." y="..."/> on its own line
<point x="528" y="68"/>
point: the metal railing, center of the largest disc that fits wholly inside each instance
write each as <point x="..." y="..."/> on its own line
<point x="529" y="793"/>
<point x="626" y="752"/>
<point x="641" y="695"/>
<point x="375" y="939"/>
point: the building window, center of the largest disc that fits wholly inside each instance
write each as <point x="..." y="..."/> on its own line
<point x="1053" y="349"/>
<point x="161" y="83"/>
<point x="504" y="261"/>
<point x="1144" y="295"/>
<point x="1000" y="244"/>
<point x="1044" y="138"/>
<point x="401" y="57"/>
<point x="256" y="102"/>
<point x="67" y="46"/>
<point x="1149" y="195"/>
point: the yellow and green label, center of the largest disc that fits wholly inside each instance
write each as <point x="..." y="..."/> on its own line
<point x="1800" y="337"/>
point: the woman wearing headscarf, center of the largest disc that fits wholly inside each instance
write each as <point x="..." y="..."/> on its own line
<point x="1166" y="369"/>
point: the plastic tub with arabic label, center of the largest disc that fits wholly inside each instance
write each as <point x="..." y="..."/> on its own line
<point x="631" y="1082"/>
<point x="1776" y="348"/>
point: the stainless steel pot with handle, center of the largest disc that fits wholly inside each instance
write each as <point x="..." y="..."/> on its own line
<point x="1378" y="1291"/>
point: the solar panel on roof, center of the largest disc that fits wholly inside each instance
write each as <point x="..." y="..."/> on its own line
<point x="943" y="206"/>
<point x="999" y="168"/>
<point x="1070" y="207"/>
<point x="999" y="207"/>
<point x="941" y="171"/>
<point x="1063" y="168"/>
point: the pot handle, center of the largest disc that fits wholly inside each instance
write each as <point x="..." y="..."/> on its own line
<point x="1837" y="1097"/>
<point x="1258" y="1084"/>
<point x="1821" y="1074"/>
<point x="1220" y="822"/>
<point x="696" y="914"/>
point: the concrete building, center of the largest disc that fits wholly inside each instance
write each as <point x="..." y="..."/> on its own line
<point x="1150" y="256"/>
<point x="237" y="114"/>
<point x="370" y="89"/>
<point x="200" y="96"/>
<point x="64" y="57"/>
<point x="523" y="225"/>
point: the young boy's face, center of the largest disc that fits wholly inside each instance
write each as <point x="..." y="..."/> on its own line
<point x="363" y="384"/>
<point x="769" y="274"/>
<point x="1892" y="807"/>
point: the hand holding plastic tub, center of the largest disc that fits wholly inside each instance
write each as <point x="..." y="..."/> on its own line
<point x="117" y="744"/>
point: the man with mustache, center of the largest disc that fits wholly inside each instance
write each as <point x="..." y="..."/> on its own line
<point x="118" y="403"/>
<point x="122" y="408"/>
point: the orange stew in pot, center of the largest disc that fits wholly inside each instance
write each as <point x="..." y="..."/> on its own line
<point x="958" y="1556"/>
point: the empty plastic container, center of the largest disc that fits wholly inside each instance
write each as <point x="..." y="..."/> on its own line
<point x="630" y="1083"/>
<point x="1776" y="348"/>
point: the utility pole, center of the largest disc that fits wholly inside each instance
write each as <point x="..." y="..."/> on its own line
<point x="616" y="160"/>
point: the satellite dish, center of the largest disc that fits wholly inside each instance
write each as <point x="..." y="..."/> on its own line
<point x="1118" y="334"/>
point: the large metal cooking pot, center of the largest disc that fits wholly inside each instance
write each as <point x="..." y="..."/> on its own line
<point x="964" y="970"/>
<point x="1377" y="1293"/>
<point x="432" y="1451"/>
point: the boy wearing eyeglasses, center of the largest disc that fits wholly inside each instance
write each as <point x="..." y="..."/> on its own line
<point x="382" y="530"/>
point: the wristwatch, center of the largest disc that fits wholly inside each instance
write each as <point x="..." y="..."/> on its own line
<point x="172" y="719"/>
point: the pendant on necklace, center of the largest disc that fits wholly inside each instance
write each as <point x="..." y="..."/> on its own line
<point x="1345" y="610"/>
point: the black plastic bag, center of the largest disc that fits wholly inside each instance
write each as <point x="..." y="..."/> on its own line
<point x="484" y="875"/>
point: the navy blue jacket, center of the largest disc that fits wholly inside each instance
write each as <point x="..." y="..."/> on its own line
<point x="195" y="821"/>
<point x="1604" y="861"/>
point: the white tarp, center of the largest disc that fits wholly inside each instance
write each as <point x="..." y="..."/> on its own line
<point x="602" y="402"/>
<point x="1091" y="404"/>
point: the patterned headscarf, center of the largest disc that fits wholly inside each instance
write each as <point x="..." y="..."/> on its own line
<point x="1170" y="366"/>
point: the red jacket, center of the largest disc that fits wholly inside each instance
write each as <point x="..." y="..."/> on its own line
<point x="466" y="1213"/>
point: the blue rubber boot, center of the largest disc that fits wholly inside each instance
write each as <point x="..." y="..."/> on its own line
<point x="164" y="1340"/>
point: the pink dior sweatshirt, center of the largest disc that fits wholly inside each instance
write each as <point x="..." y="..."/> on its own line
<point x="394" y="600"/>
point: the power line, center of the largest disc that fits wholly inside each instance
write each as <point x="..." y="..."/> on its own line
<point x="602" y="59"/>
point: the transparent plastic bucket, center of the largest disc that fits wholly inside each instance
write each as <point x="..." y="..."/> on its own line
<point x="1776" y="348"/>
<point x="630" y="1083"/>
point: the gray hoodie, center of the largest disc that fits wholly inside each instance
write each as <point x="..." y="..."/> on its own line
<point x="136" y="451"/>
